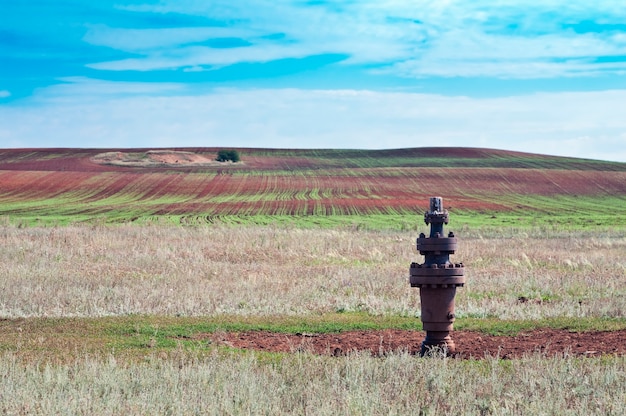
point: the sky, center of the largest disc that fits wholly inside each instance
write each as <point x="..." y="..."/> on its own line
<point x="545" y="76"/>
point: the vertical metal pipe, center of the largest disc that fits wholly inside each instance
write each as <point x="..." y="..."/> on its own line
<point x="437" y="278"/>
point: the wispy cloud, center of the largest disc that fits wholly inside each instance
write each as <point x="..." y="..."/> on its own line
<point x="75" y="89"/>
<point x="571" y="124"/>
<point x="194" y="56"/>
<point x="143" y="40"/>
<point x="422" y="39"/>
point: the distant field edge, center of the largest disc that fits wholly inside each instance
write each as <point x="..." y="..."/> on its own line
<point x="611" y="215"/>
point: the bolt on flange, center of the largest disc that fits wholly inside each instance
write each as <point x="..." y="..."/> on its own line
<point x="437" y="278"/>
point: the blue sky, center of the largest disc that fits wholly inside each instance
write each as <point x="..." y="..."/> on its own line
<point x="536" y="76"/>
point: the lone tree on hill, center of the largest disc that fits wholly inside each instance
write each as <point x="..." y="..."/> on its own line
<point x="226" y="155"/>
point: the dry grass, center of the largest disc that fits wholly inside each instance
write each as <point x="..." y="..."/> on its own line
<point x="303" y="384"/>
<point x="208" y="271"/>
<point x="532" y="278"/>
<point x="205" y="271"/>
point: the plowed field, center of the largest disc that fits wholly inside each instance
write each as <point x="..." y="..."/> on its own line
<point x="128" y="184"/>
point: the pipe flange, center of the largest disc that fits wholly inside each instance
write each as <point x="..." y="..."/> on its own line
<point x="452" y="283"/>
<point x="426" y="245"/>
<point x="420" y="286"/>
<point x="441" y="276"/>
<point x="437" y="270"/>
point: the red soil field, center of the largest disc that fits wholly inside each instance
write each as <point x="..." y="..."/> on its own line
<point x="469" y="344"/>
<point x="295" y="182"/>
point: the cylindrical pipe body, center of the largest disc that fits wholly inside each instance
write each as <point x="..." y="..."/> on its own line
<point x="437" y="278"/>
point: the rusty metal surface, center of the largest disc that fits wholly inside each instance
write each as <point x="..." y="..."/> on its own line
<point x="445" y="244"/>
<point x="437" y="278"/>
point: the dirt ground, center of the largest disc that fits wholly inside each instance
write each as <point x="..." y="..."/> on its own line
<point x="469" y="344"/>
<point x="154" y="158"/>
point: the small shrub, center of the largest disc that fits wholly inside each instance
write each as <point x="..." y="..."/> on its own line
<point x="228" y="155"/>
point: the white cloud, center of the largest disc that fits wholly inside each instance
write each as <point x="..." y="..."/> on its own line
<point x="307" y="31"/>
<point x="139" y="40"/>
<point x="86" y="89"/>
<point x="589" y="124"/>
<point x="471" y="52"/>
<point x="194" y="56"/>
<point x="506" y="68"/>
<point x="513" y="39"/>
<point x="5" y="94"/>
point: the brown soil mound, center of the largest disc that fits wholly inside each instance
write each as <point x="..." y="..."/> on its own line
<point x="469" y="344"/>
<point x="153" y="158"/>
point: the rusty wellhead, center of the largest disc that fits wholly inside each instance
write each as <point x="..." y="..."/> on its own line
<point x="437" y="278"/>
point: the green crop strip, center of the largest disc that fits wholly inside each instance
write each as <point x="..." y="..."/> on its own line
<point x="348" y="188"/>
<point x="562" y="212"/>
<point x="574" y="212"/>
<point x="490" y="223"/>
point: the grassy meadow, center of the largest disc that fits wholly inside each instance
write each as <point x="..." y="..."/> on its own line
<point x="103" y="293"/>
<point x="99" y="319"/>
<point x="94" y="271"/>
<point x="235" y="383"/>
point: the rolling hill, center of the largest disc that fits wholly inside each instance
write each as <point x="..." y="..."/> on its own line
<point x="480" y="186"/>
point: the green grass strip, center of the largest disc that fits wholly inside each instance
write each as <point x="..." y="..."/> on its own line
<point x="63" y="339"/>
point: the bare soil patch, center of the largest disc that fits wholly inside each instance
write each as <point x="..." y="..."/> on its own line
<point x="469" y="344"/>
<point x="154" y="158"/>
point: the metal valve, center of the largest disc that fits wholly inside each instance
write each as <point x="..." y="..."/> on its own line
<point x="437" y="278"/>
